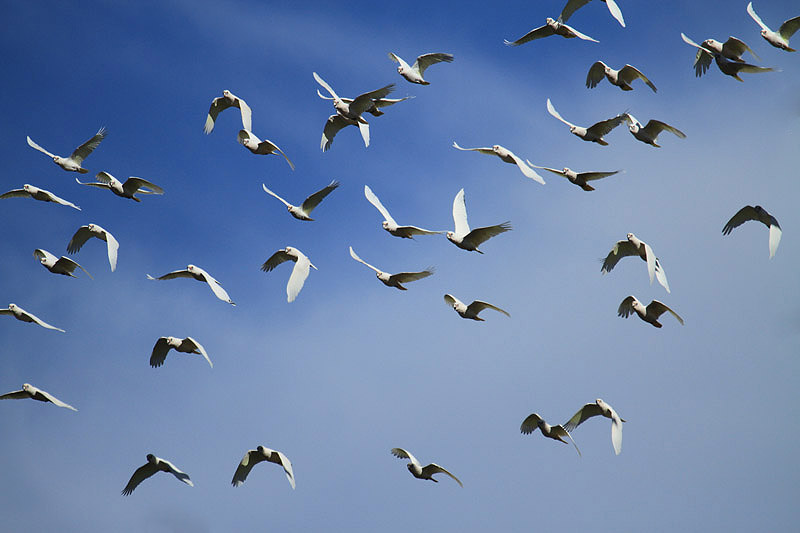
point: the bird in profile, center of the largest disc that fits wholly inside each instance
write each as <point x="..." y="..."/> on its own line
<point x="633" y="246"/>
<point x="462" y="236"/>
<point x="508" y="156"/>
<point x="649" y="314"/>
<point x="28" y="391"/>
<point x="199" y="274"/>
<point x="551" y="27"/>
<point x="780" y="38"/>
<point x="759" y="214"/>
<point x="577" y="178"/>
<point x="574" y="5"/>
<point x="303" y="211"/>
<point x="732" y="49"/>
<point x="73" y="162"/>
<point x="622" y="78"/>
<point x="414" y="73"/>
<point x="151" y="467"/>
<point x="649" y="134"/>
<point x="302" y="266"/>
<point x="165" y="344"/>
<point x="260" y="454"/>
<point x="599" y="407"/>
<point x="129" y="189"/>
<point x="422" y="472"/>
<point x="557" y="432"/>
<point x="394" y="280"/>
<point x="728" y="66"/>
<point x="23" y="315"/>
<point x="249" y="140"/>
<point x="593" y="133"/>
<point x="471" y="311"/>
<point x="58" y="265"/>
<point x="29" y="191"/>
<point x="389" y="224"/>
<point x="85" y="233"/>
<point x="377" y="103"/>
<point x="221" y="103"/>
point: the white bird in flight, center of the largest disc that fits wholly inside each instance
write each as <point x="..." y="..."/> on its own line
<point x="23" y="315"/>
<point x="389" y="224"/>
<point x="30" y="392"/>
<point x="622" y="78"/>
<point x="633" y="246"/>
<point x="303" y="211"/>
<point x="249" y="140"/>
<point x="780" y="38"/>
<point x="74" y="161"/>
<point x="187" y="345"/>
<point x="58" y="265"/>
<point x="199" y="274"/>
<point x="462" y="236"/>
<point x="260" y="454"/>
<point x="471" y="311"/>
<point x="574" y="5"/>
<point x="649" y="314"/>
<point x="377" y="103"/>
<point x="302" y="266"/>
<point x="394" y="280"/>
<point x="759" y="214"/>
<point x="151" y="467"/>
<point x="221" y="103"/>
<point x="29" y="191"/>
<point x="578" y="178"/>
<point x="593" y="133"/>
<point x="85" y="233"/>
<point x="599" y="407"/>
<point x="729" y="62"/>
<point x="649" y="134"/>
<point x="551" y="27"/>
<point x="129" y="189"/>
<point x="508" y="156"/>
<point x="422" y="472"/>
<point x="557" y="432"/>
<point x="349" y="113"/>
<point x="414" y="73"/>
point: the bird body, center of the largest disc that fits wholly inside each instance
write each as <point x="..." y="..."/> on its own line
<point x="198" y="274"/>
<point x="649" y="314"/>
<point x="187" y="345"/>
<point x="30" y="191"/>
<point x="303" y="211"/>
<point x="633" y="246"/>
<point x="551" y="27"/>
<point x="471" y="311"/>
<point x="462" y="236"/>
<point x="23" y="315"/>
<point x="577" y="178"/>
<point x="780" y="38"/>
<point x="759" y="214"/>
<point x="260" y="454"/>
<point x="129" y="189"/>
<point x="622" y="78"/>
<point x="593" y="133"/>
<point x="394" y="280"/>
<point x="249" y="140"/>
<point x="389" y="223"/>
<point x="649" y="134"/>
<point x="73" y="162"/>
<point x="601" y="408"/>
<point x="422" y="472"/>
<point x="414" y="73"/>
<point x="151" y="467"/>
<point x="84" y="233"/>
<point x="557" y="432"/>
<point x="58" y="265"/>
<point x="302" y="264"/>
<point x="29" y="391"/>
<point x="221" y="103"/>
<point x="508" y="156"/>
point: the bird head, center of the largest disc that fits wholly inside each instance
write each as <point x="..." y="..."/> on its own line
<point x="385" y="224"/>
<point x="289" y="250"/>
<point x="496" y="148"/>
<point x="400" y="69"/>
<point x="12" y="307"/>
<point x="191" y="268"/>
<point x="26" y="387"/>
<point x="631" y="236"/>
<point x="552" y="23"/>
<point x="28" y="188"/>
<point x="151" y="458"/>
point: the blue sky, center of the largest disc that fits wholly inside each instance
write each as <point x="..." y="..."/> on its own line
<point x="352" y="369"/>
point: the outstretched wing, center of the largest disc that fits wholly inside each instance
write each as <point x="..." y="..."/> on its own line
<point x="276" y="259"/>
<point x="734" y="48"/>
<point x="371" y="198"/>
<point x="656" y="309"/>
<point x="15" y="193"/>
<point x="195" y="347"/>
<point x="433" y="468"/>
<point x="50" y="398"/>
<point x="216" y="288"/>
<point x="397" y="59"/>
<point x="536" y="33"/>
<point x="280" y="459"/>
<point x="559" y="431"/>
<point x="142" y="186"/>
<point x="580" y="35"/>
<point x="620" y="250"/>
<point x="571" y="7"/>
<point x="362" y="102"/>
<point x="298" y="278"/>
<point x="591" y="176"/>
<point x="218" y="105"/>
<point x="481" y="235"/>
<point x="182" y="476"/>
<point x="30" y="317"/>
<point x="530" y="424"/>
<point x="141" y="473"/>
<point x="313" y="200"/>
<point x="79" y="239"/>
<point x="400" y="453"/>
<point x="426" y="60"/>
<point x="486" y="150"/>
<point x="172" y="275"/>
<point x="752" y="13"/>
<point x="596" y="74"/>
<point x="655" y="127"/>
<point x="406" y="277"/>
<point x="624" y="310"/>
<point x="744" y="214"/>
<point x="159" y="354"/>
<point x="287" y="204"/>
<point x="477" y="306"/>
<point x="83" y="151"/>
<point x="70" y="265"/>
<point x="789" y="27"/>
<point x="332" y="127"/>
<point x="604" y="128"/>
<point x="460" y="215"/>
<point x="552" y="110"/>
<point x="628" y="73"/>
<point x="37" y="147"/>
<point x="355" y="256"/>
<point x="325" y="85"/>
<point x="584" y="413"/>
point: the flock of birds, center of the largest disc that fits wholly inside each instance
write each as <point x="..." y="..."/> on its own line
<point x="350" y="112"/>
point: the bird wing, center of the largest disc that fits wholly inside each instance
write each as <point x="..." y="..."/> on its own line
<point x="571" y="7"/>
<point x="313" y="200"/>
<point x="363" y="129"/>
<point x="298" y="278"/>
<point x="789" y="27"/>
<point x="744" y="214"/>
<point x="33" y="318"/>
<point x="37" y="147"/>
<point x="650" y="257"/>
<point x="15" y="193"/>
<point x="616" y="12"/>
<point x="530" y="424"/>
<point x="133" y="185"/>
<point x="451" y="300"/>
<point x="624" y="310"/>
<point x="559" y="431"/>
<point x="70" y="265"/>
<point x="414" y="230"/>
<point x="702" y="62"/>
<point x="159" y="354"/>
<point x="774" y="237"/>
<point x="287" y="204"/>
<point x="603" y="128"/>
<point x="325" y="85"/>
<point x="591" y="176"/>
<point x="216" y="288"/>
<point x="400" y="453"/>
<point x="407" y="277"/>
<point x="620" y="250"/>
<point x="183" y="476"/>
<point x="383" y="102"/>
<point x="656" y="309"/>
<point x="371" y="198"/>
<point x="480" y="235"/>
<point x="587" y="411"/>
<point x="616" y="432"/>
<point x="58" y="200"/>
<point x="280" y="459"/>
<point x="355" y="256"/>
<point x="332" y="127"/>
<point x="276" y="259"/>
<point x="112" y="247"/>
<point x="487" y="151"/>
<point x="460" y="215"/>
<point x="218" y="105"/>
<point x="433" y="468"/>
<point x="250" y="459"/>
<point x="552" y="110"/>
<point x="661" y="276"/>
<point x="362" y="102"/>
<point x="426" y="60"/>
<point x="628" y="73"/>
<point x="477" y="306"/>
<point x="83" y="151"/>
<point x="15" y="395"/>
<point x="54" y="400"/>
<point x="141" y="473"/>
<point x="397" y="59"/>
<point x="247" y="114"/>
<point x="244" y="136"/>
<point x="525" y="169"/>
<point x="596" y="74"/>
<point x="347" y="100"/>
<point x="44" y="254"/>
<point x="752" y="13"/>
<point x="655" y="127"/>
<point x="553" y="170"/>
<point x="271" y="146"/>
<point x="536" y="33"/>
<point x="195" y="346"/>
<point x="735" y="48"/>
<point x="580" y="35"/>
<point x="172" y="275"/>
<point x="79" y="239"/>
<point x="750" y="69"/>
